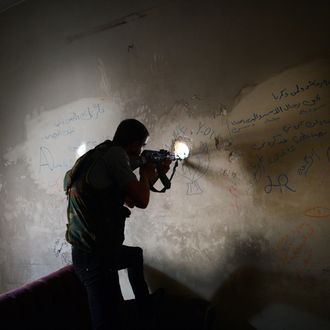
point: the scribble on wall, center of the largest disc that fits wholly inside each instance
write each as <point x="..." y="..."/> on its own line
<point x="283" y="127"/>
<point x="309" y="160"/>
<point x="282" y="181"/>
<point x="62" y="250"/>
<point x="193" y="171"/>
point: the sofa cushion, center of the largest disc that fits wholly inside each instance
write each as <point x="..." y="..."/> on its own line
<point x="56" y="301"/>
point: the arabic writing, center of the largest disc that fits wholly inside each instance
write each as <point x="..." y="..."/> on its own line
<point x="282" y="182"/>
<point x="302" y="137"/>
<point x="205" y="130"/>
<point x="202" y="130"/>
<point x="308" y="162"/>
<point x="305" y="124"/>
<point x="261" y="162"/>
<point x="281" y="154"/>
<point x="248" y="122"/>
<point x="301" y="88"/>
<point x="91" y="113"/>
<point x="278" y="139"/>
<point x="309" y="110"/>
<point x="59" y="133"/>
<point x="225" y="172"/>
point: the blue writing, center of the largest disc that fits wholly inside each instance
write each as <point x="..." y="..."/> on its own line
<point x="272" y="114"/>
<point x="302" y="137"/>
<point x="238" y="129"/>
<point x="46" y="159"/>
<point x="308" y="162"/>
<point x="284" y="152"/>
<point x="58" y="133"/>
<point x="309" y="110"/>
<point x="91" y="113"/>
<point x="276" y="139"/>
<point x="206" y="131"/>
<point x="282" y="182"/>
<point x="283" y="93"/>
<point x="306" y="124"/>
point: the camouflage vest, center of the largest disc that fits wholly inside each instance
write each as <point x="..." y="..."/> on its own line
<point x="96" y="217"/>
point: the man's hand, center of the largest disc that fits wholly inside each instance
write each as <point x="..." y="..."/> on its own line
<point x="165" y="165"/>
<point x="129" y="203"/>
<point x="149" y="171"/>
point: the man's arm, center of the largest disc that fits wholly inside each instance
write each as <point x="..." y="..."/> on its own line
<point x="138" y="191"/>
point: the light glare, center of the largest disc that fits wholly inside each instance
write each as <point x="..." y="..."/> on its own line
<point x="181" y="149"/>
<point x="81" y="150"/>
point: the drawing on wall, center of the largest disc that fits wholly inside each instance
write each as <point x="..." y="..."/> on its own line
<point x="282" y="127"/>
<point x="62" y="250"/>
<point x="275" y="143"/>
<point x="54" y="140"/>
<point x="318" y="212"/>
<point x="202" y="161"/>
<point x="55" y="136"/>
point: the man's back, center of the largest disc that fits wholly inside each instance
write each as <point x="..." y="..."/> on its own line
<point x="95" y="188"/>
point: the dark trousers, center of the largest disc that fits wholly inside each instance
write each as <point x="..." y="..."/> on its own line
<point x="99" y="274"/>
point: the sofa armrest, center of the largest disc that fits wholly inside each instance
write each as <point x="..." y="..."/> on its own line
<point x="56" y="301"/>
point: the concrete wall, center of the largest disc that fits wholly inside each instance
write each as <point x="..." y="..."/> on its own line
<point x="247" y="221"/>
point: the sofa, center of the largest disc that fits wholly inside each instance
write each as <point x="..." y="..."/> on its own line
<point x="58" y="301"/>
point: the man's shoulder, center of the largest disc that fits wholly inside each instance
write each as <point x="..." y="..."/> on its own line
<point x="109" y="149"/>
<point x="116" y="156"/>
<point x="115" y="148"/>
<point x="116" y="151"/>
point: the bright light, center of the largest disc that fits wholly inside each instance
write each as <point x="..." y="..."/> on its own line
<point x="81" y="150"/>
<point x="181" y="149"/>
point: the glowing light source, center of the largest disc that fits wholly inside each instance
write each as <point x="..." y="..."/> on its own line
<point x="81" y="150"/>
<point x="181" y="149"/>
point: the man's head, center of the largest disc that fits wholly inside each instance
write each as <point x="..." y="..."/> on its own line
<point x="132" y="135"/>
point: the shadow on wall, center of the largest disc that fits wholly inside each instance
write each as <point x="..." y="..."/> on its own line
<point x="157" y="279"/>
<point x="248" y="291"/>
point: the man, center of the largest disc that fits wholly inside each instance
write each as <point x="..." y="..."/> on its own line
<point x="98" y="186"/>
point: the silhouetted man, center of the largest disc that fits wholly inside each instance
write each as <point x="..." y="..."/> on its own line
<point x="98" y="186"/>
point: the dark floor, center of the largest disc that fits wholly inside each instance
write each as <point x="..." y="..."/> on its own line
<point x="170" y="313"/>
